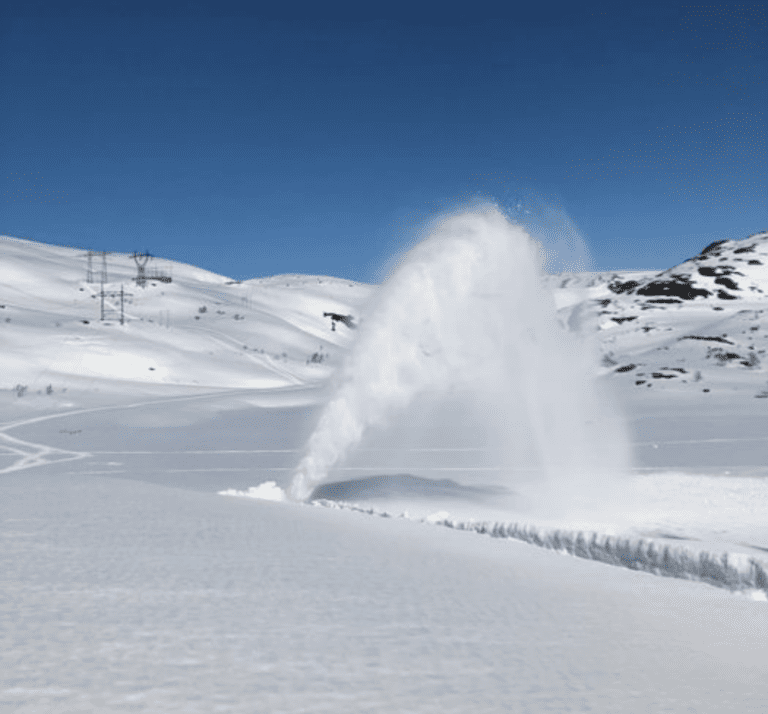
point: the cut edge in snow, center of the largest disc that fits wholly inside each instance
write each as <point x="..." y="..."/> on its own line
<point x="642" y="555"/>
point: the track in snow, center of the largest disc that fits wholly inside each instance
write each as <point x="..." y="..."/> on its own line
<point x="26" y="454"/>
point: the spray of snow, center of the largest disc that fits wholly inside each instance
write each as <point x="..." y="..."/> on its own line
<point x="465" y="319"/>
<point x="437" y="517"/>
<point x="267" y="491"/>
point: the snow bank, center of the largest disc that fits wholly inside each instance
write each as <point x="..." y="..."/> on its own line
<point x="736" y="572"/>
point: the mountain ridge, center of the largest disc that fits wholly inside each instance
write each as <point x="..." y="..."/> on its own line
<point x="701" y="323"/>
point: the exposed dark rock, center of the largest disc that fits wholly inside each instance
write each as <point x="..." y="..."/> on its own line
<point x="725" y="296"/>
<point x="619" y="287"/>
<point x="677" y="286"/>
<point x="626" y="368"/>
<point x="723" y="356"/>
<point x="752" y="361"/>
<point x="718" y="271"/>
<point x="707" y="338"/>
<point x="730" y="284"/>
<point x="713" y="246"/>
<point x="624" y="319"/>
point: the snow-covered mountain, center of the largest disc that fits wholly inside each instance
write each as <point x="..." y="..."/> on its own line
<point x="198" y="329"/>
<point x="701" y="325"/>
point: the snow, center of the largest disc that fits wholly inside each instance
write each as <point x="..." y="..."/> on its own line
<point x="130" y="584"/>
<point x="201" y="329"/>
<point x="267" y="491"/>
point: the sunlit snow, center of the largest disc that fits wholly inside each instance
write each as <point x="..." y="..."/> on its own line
<point x="425" y="569"/>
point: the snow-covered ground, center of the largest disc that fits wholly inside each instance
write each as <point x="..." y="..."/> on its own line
<point x="130" y="584"/>
<point x="199" y="329"/>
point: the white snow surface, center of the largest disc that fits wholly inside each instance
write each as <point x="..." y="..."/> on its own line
<point x="130" y="584"/>
<point x="201" y="329"/>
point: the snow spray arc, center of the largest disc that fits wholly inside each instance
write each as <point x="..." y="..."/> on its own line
<point x="466" y="314"/>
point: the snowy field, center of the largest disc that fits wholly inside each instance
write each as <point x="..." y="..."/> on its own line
<point x="130" y="584"/>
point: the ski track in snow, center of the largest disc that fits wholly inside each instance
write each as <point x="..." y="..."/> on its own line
<point x="262" y="360"/>
<point x="32" y="454"/>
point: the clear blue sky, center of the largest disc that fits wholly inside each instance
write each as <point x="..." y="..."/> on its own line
<point x="251" y="144"/>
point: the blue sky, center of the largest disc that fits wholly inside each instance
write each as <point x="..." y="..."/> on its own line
<point x="252" y="144"/>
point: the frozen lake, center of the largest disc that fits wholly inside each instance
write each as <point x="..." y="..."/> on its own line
<point x="129" y="585"/>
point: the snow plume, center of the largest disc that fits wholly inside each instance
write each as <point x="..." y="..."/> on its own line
<point x="267" y="491"/>
<point x="466" y="320"/>
<point x="547" y="222"/>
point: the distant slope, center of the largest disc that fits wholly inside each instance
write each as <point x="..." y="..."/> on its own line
<point x="200" y="329"/>
<point x="699" y="326"/>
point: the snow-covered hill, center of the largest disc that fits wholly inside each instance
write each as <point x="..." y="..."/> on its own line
<point x="199" y="329"/>
<point x="699" y="326"/>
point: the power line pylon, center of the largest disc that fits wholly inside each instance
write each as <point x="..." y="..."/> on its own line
<point x="89" y="271"/>
<point x="142" y="275"/>
<point x="106" y="310"/>
<point x="89" y="276"/>
<point x="141" y="260"/>
<point x="103" y="275"/>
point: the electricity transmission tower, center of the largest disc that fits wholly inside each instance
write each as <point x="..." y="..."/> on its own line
<point x="107" y="310"/>
<point x="141" y="260"/>
<point x="90" y="274"/>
